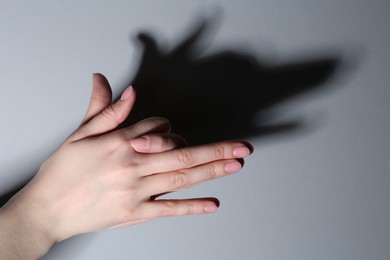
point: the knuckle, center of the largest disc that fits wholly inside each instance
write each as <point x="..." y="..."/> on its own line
<point x="168" y="209"/>
<point x="220" y="152"/>
<point x="191" y="209"/>
<point x="112" y="114"/>
<point x="109" y="111"/>
<point x="213" y="172"/>
<point x="184" y="157"/>
<point x="181" y="180"/>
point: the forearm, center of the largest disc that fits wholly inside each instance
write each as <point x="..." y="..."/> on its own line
<point x="20" y="237"/>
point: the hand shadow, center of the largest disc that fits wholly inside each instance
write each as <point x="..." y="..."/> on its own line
<point x="220" y="96"/>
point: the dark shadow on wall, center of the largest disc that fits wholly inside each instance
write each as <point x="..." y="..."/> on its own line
<point x="226" y="95"/>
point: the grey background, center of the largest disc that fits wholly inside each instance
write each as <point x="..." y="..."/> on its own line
<point x="320" y="193"/>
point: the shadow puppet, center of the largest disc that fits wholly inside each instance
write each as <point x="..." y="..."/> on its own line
<point x="219" y="96"/>
<point x="223" y="95"/>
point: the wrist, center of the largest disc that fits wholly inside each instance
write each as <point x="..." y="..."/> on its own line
<point x="22" y="234"/>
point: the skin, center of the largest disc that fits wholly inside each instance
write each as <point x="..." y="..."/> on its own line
<point x="102" y="177"/>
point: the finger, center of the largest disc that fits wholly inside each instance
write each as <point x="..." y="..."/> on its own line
<point x="168" y="208"/>
<point x="101" y="97"/>
<point x="147" y="126"/>
<point x="174" y="181"/>
<point x="109" y="118"/>
<point x="189" y="157"/>
<point x="156" y="143"/>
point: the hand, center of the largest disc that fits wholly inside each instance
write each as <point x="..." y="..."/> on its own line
<point x="101" y="177"/>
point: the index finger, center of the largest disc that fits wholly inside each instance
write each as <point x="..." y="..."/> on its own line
<point x="189" y="157"/>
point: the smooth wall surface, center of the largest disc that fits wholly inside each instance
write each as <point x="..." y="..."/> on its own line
<point x="318" y="184"/>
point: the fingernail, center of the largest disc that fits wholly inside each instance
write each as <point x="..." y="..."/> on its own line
<point x="140" y="143"/>
<point x="210" y="208"/>
<point x="241" y="152"/>
<point x="127" y="93"/>
<point x="232" y="167"/>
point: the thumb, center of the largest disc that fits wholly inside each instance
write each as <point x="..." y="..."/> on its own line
<point x="101" y="97"/>
<point x="109" y="118"/>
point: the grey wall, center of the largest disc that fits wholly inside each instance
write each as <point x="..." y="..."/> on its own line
<point x="319" y="192"/>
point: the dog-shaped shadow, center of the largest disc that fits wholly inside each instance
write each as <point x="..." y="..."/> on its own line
<point x="226" y="95"/>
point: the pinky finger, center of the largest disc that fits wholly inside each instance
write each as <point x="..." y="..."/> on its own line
<point x="168" y="208"/>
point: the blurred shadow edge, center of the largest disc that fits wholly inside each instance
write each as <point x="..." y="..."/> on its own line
<point x="213" y="97"/>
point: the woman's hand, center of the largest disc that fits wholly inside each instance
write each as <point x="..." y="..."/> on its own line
<point x="101" y="177"/>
